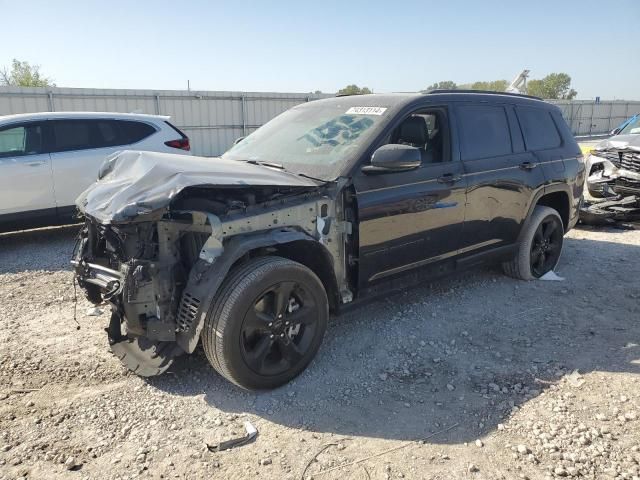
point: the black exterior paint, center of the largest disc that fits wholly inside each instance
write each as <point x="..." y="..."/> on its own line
<point x="400" y="226"/>
<point x="410" y="219"/>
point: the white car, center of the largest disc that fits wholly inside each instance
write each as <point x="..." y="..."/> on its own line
<point x="48" y="159"/>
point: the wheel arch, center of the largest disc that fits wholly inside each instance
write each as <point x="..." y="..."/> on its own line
<point x="558" y="197"/>
<point x="205" y="278"/>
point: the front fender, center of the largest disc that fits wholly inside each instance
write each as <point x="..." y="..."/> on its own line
<point x="205" y="279"/>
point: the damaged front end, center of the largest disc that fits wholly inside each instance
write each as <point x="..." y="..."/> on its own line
<point x="614" y="168"/>
<point x="134" y="270"/>
<point x="613" y="182"/>
<point x="158" y="261"/>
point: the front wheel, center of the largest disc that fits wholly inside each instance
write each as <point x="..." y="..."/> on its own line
<point x="540" y="247"/>
<point x="266" y="323"/>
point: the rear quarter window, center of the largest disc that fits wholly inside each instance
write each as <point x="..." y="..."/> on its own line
<point x="133" y="132"/>
<point x="538" y="128"/>
<point x="484" y="131"/>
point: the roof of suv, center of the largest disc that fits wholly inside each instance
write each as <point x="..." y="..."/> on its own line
<point x="402" y="99"/>
<point x="82" y="115"/>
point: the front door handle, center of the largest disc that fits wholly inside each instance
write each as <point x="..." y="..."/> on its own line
<point x="528" y="165"/>
<point x="35" y="164"/>
<point x="449" y="178"/>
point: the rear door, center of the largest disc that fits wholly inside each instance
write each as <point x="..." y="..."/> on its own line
<point x="413" y="218"/>
<point x="541" y="136"/>
<point x="81" y="146"/>
<point x="501" y="175"/>
<point x="25" y="170"/>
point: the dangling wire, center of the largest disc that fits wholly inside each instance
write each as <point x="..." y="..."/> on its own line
<point x="75" y="304"/>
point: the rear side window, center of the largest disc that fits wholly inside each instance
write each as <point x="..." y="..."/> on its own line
<point x="19" y="140"/>
<point x="484" y="131"/>
<point x="133" y="132"/>
<point x="538" y="128"/>
<point x="72" y="135"/>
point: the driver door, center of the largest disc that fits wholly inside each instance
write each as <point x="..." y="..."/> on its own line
<point x="412" y="218"/>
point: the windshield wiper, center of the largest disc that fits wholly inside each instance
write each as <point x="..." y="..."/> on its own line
<point x="266" y="164"/>
<point x="282" y="167"/>
<point x="316" y="179"/>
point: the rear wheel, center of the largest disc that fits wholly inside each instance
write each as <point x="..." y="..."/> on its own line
<point x="266" y="323"/>
<point x="540" y="247"/>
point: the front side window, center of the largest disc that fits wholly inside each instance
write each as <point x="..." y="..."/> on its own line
<point x="425" y="130"/>
<point x="20" y="140"/>
<point x="314" y="139"/>
<point x="484" y="131"/>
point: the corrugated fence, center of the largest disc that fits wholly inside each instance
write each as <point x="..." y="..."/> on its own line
<point x="213" y="120"/>
<point x="587" y="117"/>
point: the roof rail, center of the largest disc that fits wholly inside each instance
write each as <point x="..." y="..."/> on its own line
<point x="443" y="90"/>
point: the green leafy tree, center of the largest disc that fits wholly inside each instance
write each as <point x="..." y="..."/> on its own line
<point x="493" y="86"/>
<point x="354" y="90"/>
<point x="443" y="85"/>
<point x="553" y="86"/>
<point x="23" y="74"/>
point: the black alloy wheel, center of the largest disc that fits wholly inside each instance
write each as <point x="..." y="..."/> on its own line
<point x="279" y="328"/>
<point x="266" y="322"/>
<point x="546" y="246"/>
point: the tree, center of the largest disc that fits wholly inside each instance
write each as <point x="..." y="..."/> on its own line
<point x="493" y="86"/>
<point x="354" y="90"/>
<point x="553" y="86"/>
<point x="443" y="85"/>
<point x="22" y="74"/>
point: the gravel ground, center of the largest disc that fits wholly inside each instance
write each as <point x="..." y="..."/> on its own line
<point x="475" y="376"/>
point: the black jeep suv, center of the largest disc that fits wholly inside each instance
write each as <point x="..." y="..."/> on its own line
<point x="332" y="202"/>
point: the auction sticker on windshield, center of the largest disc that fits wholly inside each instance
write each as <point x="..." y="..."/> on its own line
<point x="366" y="110"/>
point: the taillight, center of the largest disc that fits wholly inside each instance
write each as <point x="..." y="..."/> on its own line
<point x="182" y="143"/>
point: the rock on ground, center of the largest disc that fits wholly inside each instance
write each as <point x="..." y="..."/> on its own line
<point x="539" y="379"/>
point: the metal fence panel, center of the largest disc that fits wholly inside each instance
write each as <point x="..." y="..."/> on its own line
<point x="586" y="117"/>
<point x="213" y="120"/>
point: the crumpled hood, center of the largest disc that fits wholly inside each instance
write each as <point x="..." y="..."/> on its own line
<point x="134" y="183"/>
<point x="620" y="142"/>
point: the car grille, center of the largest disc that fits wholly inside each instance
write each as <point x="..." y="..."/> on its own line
<point x="630" y="161"/>
<point x="612" y="155"/>
<point x="187" y="312"/>
<point x="625" y="186"/>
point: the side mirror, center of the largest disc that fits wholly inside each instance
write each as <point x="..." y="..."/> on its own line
<point x="615" y="131"/>
<point x="394" y="158"/>
<point x="238" y="140"/>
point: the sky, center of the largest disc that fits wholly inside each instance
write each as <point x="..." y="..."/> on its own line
<point x="302" y="46"/>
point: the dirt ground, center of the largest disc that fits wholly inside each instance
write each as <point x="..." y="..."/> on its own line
<point x="475" y="376"/>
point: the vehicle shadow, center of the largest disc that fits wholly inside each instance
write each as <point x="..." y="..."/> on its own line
<point x="22" y="251"/>
<point x="463" y="350"/>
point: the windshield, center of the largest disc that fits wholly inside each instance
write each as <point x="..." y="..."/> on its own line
<point x="633" y="127"/>
<point x="313" y="139"/>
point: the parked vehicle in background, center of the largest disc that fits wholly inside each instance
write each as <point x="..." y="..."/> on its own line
<point x="332" y="202"/>
<point x="48" y="159"/>
<point x="613" y="165"/>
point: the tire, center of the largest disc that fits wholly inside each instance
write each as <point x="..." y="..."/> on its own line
<point x="243" y="323"/>
<point x="526" y="263"/>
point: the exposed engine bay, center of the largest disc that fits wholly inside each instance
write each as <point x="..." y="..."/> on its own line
<point x="160" y="269"/>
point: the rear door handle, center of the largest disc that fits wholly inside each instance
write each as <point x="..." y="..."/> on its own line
<point x="449" y="178"/>
<point x="35" y="164"/>
<point x="528" y="165"/>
